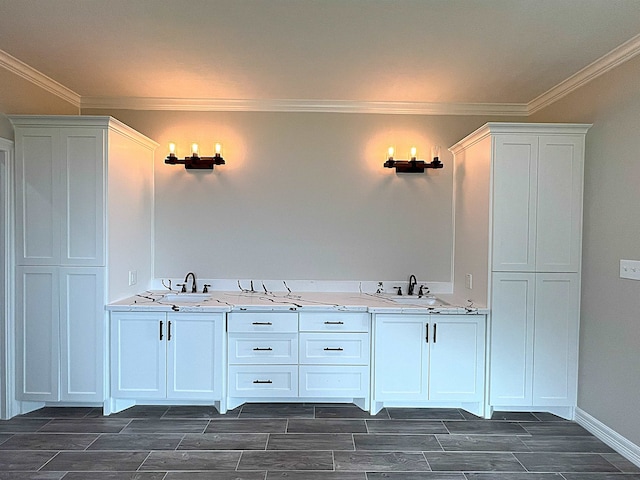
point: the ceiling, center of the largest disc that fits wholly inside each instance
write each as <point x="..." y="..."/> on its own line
<point x="194" y="53"/>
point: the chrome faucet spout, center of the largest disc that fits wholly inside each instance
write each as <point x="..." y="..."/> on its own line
<point x="193" y="283"/>
<point x="412" y="284"/>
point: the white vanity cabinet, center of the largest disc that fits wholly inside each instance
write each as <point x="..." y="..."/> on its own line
<point x="423" y="360"/>
<point x="334" y="355"/>
<point x="276" y="355"/>
<point x="84" y="187"/>
<point x="262" y="355"/>
<point x="518" y="219"/>
<point x="173" y="356"/>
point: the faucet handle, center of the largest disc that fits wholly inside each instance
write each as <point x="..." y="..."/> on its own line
<point x="206" y="288"/>
<point x="399" y="290"/>
<point x="184" y="287"/>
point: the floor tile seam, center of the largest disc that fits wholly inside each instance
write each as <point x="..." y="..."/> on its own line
<point x="144" y="460"/>
<point x="426" y="460"/>
<point x="47" y="462"/>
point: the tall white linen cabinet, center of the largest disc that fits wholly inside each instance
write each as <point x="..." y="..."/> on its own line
<point x="518" y="236"/>
<point x="84" y="218"/>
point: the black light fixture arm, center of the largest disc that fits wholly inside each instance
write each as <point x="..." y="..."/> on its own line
<point x="195" y="161"/>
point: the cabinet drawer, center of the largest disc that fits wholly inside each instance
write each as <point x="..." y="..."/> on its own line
<point x="276" y="322"/>
<point x="334" y="348"/>
<point x="334" y="381"/>
<point x="278" y="348"/>
<point x="264" y="381"/>
<point x="334" y="322"/>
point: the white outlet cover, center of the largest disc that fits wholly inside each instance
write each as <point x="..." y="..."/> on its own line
<point x="630" y="269"/>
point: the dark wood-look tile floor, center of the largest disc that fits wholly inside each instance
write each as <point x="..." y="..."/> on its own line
<point x="301" y="442"/>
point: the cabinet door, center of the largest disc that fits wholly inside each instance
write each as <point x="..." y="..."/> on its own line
<point x="82" y="324"/>
<point x="456" y="358"/>
<point x="138" y="355"/>
<point x="559" y="209"/>
<point x="556" y="339"/>
<point x="401" y="362"/>
<point x="82" y="157"/>
<point x="514" y="202"/>
<point x="37" y="322"/>
<point x="37" y="196"/>
<point x="194" y="356"/>
<point x="512" y="336"/>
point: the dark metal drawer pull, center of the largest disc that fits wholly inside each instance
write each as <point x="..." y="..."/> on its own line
<point x="329" y="349"/>
<point x="258" y="349"/>
<point x="161" y="336"/>
<point x="262" y="381"/>
<point x="333" y="323"/>
<point x="426" y="337"/>
<point x="262" y="323"/>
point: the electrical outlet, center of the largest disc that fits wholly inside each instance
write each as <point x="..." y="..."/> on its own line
<point x="630" y="269"/>
<point x="133" y="277"/>
<point x="468" y="281"/>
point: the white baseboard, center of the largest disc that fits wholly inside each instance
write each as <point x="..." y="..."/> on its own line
<point x="620" y="444"/>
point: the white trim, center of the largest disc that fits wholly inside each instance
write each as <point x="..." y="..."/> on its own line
<point x="38" y="78"/>
<point x="607" y="62"/>
<point x="8" y="405"/>
<point x="304" y="105"/>
<point x="620" y="444"/>
<point x="615" y="57"/>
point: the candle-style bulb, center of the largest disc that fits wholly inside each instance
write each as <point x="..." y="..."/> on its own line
<point x="172" y="149"/>
<point x="194" y="149"/>
<point x="413" y="153"/>
<point x="390" y="152"/>
<point x="218" y="149"/>
<point x="435" y="152"/>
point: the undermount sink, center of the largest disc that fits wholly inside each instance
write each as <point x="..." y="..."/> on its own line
<point x="186" y="297"/>
<point x="414" y="300"/>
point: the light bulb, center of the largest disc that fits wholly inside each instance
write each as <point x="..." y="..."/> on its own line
<point x="413" y="153"/>
<point x="390" y="152"/>
<point x="435" y="152"/>
<point x="218" y="149"/>
<point x="172" y="149"/>
<point x="194" y="149"/>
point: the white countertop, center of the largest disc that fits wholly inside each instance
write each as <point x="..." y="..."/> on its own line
<point x="304" y="301"/>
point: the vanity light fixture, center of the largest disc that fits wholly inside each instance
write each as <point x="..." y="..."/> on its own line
<point x="413" y="165"/>
<point x="195" y="161"/>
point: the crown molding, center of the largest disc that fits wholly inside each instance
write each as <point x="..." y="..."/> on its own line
<point x="23" y="70"/>
<point x="607" y="62"/>
<point x="314" y="106"/>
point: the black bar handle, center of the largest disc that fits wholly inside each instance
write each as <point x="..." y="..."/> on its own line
<point x="169" y="331"/>
<point x="435" y="325"/>
<point x="258" y="349"/>
<point x="333" y="323"/>
<point x="262" y="381"/>
<point x="426" y="336"/>
<point x="161" y="336"/>
<point x="330" y="349"/>
<point x="262" y="323"/>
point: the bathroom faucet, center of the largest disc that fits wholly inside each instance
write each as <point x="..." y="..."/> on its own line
<point x="412" y="283"/>
<point x="193" y="284"/>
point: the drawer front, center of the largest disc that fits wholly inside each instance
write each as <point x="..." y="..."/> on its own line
<point x="334" y="348"/>
<point x="334" y="322"/>
<point x="265" y="381"/>
<point x="272" y="348"/>
<point x="275" y="322"/>
<point x="334" y="381"/>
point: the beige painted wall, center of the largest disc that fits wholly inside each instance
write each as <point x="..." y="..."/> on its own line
<point x="303" y="196"/>
<point x="19" y="96"/>
<point x="609" y="376"/>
